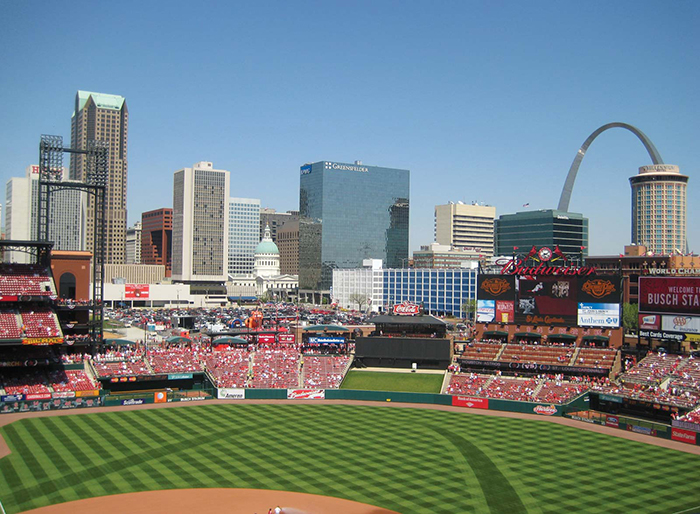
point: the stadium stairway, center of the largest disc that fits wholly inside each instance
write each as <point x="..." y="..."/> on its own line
<point x="540" y="385"/>
<point x="500" y="352"/>
<point x="574" y="357"/>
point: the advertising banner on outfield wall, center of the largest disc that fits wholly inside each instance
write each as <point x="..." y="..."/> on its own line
<point x="44" y="405"/>
<point x="612" y="421"/>
<point x="472" y="403"/>
<point x="63" y="394"/>
<point x="545" y="410"/>
<point x="684" y="436"/>
<point x="230" y="394"/>
<point x="90" y="393"/>
<point x="306" y="394"/>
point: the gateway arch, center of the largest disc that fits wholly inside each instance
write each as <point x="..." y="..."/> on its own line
<point x="571" y="177"/>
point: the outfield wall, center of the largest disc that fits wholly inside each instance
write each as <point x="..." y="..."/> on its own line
<point x="19" y="403"/>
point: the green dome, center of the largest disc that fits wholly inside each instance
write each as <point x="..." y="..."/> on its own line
<point x="266" y="247"/>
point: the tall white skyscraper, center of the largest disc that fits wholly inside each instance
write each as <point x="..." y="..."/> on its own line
<point x="22" y="213"/>
<point x="466" y="226"/>
<point x="243" y="235"/>
<point x="659" y="208"/>
<point x="133" y="244"/>
<point x="200" y="224"/>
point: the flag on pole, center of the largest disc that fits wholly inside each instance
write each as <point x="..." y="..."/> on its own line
<point x="526" y="204"/>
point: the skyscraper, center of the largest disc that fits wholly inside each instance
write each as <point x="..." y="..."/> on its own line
<point x="243" y="235"/>
<point x="133" y="244"/>
<point x="659" y="208"/>
<point x="348" y="213"/>
<point x="200" y="224"/>
<point x="270" y="218"/>
<point x="469" y="227"/>
<point x="544" y="228"/>
<point x="22" y="206"/>
<point x="157" y="238"/>
<point x="103" y="117"/>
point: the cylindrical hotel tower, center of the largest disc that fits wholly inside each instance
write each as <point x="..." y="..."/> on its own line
<point x="659" y="208"/>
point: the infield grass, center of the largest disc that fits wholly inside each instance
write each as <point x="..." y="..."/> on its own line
<point x="405" y="459"/>
<point x="388" y="381"/>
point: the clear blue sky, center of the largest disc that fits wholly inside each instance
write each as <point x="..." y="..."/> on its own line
<point x="482" y="101"/>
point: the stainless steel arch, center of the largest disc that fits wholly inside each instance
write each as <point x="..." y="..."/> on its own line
<point x="571" y="177"/>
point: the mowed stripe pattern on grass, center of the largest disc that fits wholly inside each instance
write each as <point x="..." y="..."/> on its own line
<point x="388" y="381"/>
<point x="407" y="460"/>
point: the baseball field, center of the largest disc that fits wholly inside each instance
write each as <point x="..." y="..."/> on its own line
<point x="408" y="460"/>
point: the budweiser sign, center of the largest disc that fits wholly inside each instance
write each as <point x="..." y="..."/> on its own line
<point x="545" y="410"/>
<point x="406" y="309"/>
<point x="517" y="267"/>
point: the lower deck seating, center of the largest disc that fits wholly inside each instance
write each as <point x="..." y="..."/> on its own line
<point x="324" y="371"/>
<point x="229" y="367"/>
<point x="276" y="368"/>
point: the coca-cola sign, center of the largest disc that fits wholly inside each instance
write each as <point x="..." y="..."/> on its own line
<point x="406" y="309"/>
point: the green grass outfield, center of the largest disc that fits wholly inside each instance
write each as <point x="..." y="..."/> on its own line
<point x="406" y="459"/>
<point x="388" y="381"/>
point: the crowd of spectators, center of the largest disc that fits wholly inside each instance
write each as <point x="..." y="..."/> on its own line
<point x="529" y="351"/>
<point x="653" y="368"/>
<point x="543" y="388"/>
<point x="72" y="380"/>
<point x="276" y="368"/>
<point x="229" y="367"/>
<point x="324" y="371"/>
<point x="24" y="381"/>
<point x="176" y="359"/>
<point x="691" y="417"/>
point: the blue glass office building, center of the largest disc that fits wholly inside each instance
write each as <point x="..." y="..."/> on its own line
<point x="350" y="212"/>
<point x="440" y="291"/>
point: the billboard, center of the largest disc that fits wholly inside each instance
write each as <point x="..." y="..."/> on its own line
<point x="598" y="314"/>
<point x="485" y="311"/>
<point x="136" y="291"/>
<point x="669" y="295"/>
<point x="680" y="323"/>
<point x="553" y="299"/>
<point x="547" y="300"/>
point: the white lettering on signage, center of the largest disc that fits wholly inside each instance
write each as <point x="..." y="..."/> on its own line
<point x="346" y="167"/>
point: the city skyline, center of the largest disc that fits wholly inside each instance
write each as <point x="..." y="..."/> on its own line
<point x="485" y="103"/>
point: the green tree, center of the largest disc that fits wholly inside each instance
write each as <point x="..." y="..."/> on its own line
<point x="630" y="317"/>
<point x="470" y="308"/>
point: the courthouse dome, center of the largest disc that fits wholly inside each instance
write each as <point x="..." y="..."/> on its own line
<point x="267" y="245"/>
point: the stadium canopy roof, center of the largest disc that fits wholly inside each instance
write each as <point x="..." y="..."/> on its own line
<point x="501" y="333"/>
<point x="596" y="338"/>
<point x="119" y="342"/>
<point x="527" y="334"/>
<point x="230" y="340"/>
<point x="178" y="339"/>
<point x="562" y="336"/>
<point x="407" y="320"/>
<point x="326" y="328"/>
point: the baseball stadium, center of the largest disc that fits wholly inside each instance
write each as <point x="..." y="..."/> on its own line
<point x="401" y="415"/>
